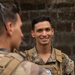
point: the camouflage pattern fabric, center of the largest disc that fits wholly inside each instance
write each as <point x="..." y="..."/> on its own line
<point x="67" y="63"/>
<point x="28" y="68"/>
<point x="23" y="68"/>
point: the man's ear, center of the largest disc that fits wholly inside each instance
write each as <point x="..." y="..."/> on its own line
<point x="52" y="31"/>
<point x="32" y="33"/>
<point x="9" y="26"/>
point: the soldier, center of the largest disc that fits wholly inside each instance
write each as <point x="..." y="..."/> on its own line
<point x="10" y="39"/>
<point x="43" y="53"/>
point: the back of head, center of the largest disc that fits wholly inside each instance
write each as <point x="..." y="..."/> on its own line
<point x="40" y="19"/>
<point x="7" y="13"/>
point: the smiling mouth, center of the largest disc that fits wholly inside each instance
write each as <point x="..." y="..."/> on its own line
<point x="44" y="39"/>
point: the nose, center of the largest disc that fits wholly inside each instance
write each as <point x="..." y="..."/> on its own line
<point x="44" y="33"/>
<point x="22" y="35"/>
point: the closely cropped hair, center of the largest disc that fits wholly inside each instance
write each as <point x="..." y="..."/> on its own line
<point x="40" y="19"/>
<point x="9" y="11"/>
<point x="7" y="14"/>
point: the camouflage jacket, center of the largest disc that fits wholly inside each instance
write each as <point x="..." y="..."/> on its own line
<point x="14" y="64"/>
<point x="66" y="64"/>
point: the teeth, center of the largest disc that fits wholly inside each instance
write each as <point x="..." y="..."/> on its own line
<point x="43" y="38"/>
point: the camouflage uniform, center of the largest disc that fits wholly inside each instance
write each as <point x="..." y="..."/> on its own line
<point x="13" y="64"/>
<point x="63" y="61"/>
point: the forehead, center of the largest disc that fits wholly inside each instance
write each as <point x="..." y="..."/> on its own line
<point x="42" y="25"/>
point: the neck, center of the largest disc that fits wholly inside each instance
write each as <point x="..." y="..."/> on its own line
<point x="43" y="49"/>
<point x="4" y="43"/>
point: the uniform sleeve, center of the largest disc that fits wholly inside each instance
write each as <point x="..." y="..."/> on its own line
<point x="68" y="65"/>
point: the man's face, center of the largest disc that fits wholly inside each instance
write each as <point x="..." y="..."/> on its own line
<point x="43" y="33"/>
<point x="17" y="33"/>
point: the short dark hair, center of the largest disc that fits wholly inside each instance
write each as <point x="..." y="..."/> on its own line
<point x="7" y="13"/>
<point x="40" y="19"/>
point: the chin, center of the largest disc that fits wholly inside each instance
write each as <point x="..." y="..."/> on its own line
<point x="44" y="43"/>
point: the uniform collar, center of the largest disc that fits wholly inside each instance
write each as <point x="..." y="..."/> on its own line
<point x="37" y="59"/>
